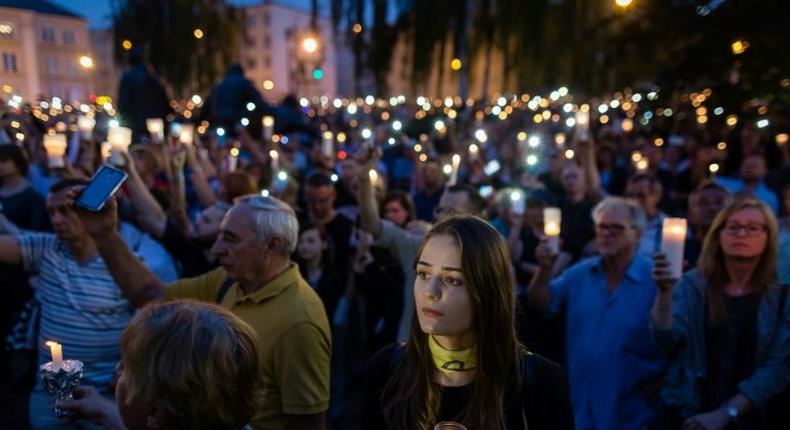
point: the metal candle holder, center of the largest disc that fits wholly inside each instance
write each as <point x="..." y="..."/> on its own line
<point x="61" y="381"/>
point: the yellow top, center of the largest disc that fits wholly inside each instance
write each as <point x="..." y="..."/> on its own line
<point x="452" y="361"/>
<point x="293" y="335"/>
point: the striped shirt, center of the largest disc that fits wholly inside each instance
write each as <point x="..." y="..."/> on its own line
<point x="81" y="306"/>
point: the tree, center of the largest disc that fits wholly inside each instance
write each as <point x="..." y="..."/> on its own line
<point x="165" y="30"/>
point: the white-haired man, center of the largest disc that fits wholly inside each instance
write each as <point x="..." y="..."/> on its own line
<point x="258" y="282"/>
<point x="613" y="365"/>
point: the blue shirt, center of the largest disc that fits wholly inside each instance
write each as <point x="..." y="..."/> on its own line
<point x="610" y="352"/>
<point x="761" y="191"/>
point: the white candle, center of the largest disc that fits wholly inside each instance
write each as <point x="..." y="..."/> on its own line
<point x="156" y="127"/>
<point x="85" y="125"/>
<point x="673" y="239"/>
<point x="268" y="127"/>
<point x="327" y="145"/>
<point x="582" y="125"/>
<point x="474" y="152"/>
<point x="374" y="177"/>
<point x="119" y="138"/>
<point x="233" y="160"/>
<point x="552" y="219"/>
<point x="518" y="204"/>
<point x="57" y="354"/>
<point x="454" y="174"/>
<point x="275" y="156"/>
<point x="187" y="136"/>
<point x="55" y="144"/>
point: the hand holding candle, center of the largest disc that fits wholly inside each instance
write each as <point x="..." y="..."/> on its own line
<point x="275" y="156"/>
<point x="552" y="219"/>
<point x="673" y="239"/>
<point x="582" y="124"/>
<point x="327" y="145"/>
<point x="119" y="138"/>
<point x="57" y="354"/>
<point x="85" y="125"/>
<point x="187" y="136"/>
<point x="156" y="127"/>
<point x="59" y="377"/>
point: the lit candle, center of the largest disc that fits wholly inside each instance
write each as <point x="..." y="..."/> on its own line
<point x="120" y="138"/>
<point x="233" y="159"/>
<point x="583" y="124"/>
<point x="474" y="152"/>
<point x="55" y="144"/>
<point x="559" y="140"/>
<point x="268" y="127"/>
<point x="327" y="145"/>
<point x="518" y="203"/>
<point x="275" y="156"/>
<point x="57" y="354"/>
<point x="673" y="239"/>
<point x="374" y="177"/>
<point x="187" y="136"/>
<point x="85" y="125"/>
<point x="454" y="174"/>
<point x="552" y="219"/>
<point x="156" y="127"/>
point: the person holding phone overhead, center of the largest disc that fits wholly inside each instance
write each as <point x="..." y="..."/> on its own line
<point x="81" y="306"/>
<point x="726" y="327"/>
<point x="462" y="361"/>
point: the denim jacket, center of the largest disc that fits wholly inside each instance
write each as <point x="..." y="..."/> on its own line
<point x="684" y="341"/>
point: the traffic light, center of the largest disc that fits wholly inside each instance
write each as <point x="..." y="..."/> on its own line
<point x="318" y="74"/>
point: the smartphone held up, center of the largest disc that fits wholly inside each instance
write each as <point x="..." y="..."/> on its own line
<point x="104" y="183"/>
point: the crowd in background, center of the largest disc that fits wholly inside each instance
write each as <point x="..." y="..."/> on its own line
<point x="635" y="345"/>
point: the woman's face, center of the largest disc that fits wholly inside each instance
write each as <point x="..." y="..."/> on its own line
<point x="133" y="411"/>
<point x="310" y="245"/>
<point x="395" y="213"/>
<point x="444" y="306"/>
<point x="206" y="226"/>
<point x="744" y="234"/>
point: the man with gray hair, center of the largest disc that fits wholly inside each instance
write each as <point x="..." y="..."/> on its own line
<point x="613" y="365"/>
<point x="258" y="282"/>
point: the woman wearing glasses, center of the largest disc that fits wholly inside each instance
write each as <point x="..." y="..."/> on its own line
<point x="726" y="326"/>
<point x="462" y="361"/>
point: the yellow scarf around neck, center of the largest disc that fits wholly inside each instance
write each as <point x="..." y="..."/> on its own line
<point x="452" y="361"/>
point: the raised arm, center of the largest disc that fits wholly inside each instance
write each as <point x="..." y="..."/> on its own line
<point x="197" y="176"/>
<point x="178" y="198"/>
<point x="138" y="284"/>
<point x="150" y="215"/>
<point x="9" y="250"/>
<point x="538" y="293"/>
<point x="590" y="168"/>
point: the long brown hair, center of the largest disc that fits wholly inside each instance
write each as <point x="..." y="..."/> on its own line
<point x="412" y="398"/>
<point x="712" y="264"/>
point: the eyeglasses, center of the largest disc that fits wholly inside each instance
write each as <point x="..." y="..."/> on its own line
<point x="610" y="228"/>
<point x="752" y="230"/>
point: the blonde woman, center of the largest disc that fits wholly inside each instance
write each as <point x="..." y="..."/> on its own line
<point x="726" y="326"/>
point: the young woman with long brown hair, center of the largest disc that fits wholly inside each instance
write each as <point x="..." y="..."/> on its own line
<point x="462" y="361"/>
<point x="726" y="326"/>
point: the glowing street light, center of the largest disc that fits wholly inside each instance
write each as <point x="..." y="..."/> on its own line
<point x="198" y="33"/>
<point x="86" y="62"/>
<point x="623" y="3"/>
<point x="310" y="44"/>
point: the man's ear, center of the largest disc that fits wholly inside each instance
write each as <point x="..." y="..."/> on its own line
<point x="274" y="245"/>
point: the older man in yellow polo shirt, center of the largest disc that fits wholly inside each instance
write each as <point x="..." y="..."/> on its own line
<point x="259" y="284"/>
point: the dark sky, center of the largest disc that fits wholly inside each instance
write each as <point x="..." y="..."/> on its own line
<point x="98" y="11"/>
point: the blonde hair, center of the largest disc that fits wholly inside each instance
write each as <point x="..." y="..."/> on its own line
<point x="712" y="264"/>
<point x="197" y="360"/>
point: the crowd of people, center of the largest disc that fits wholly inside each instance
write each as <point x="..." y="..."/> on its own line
<point x="364" y="264"/>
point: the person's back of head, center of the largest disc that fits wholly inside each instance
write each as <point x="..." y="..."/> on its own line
<point x="194" y="365"/>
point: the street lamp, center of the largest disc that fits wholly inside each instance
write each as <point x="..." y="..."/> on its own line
<point x="623" y="3"/>
<point x="310" y="44"/>
<point x="86" y="62"/>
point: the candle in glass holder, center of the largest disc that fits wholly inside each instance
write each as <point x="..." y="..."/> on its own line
<point x="474" y="152"/>
<point x="119" y="138"/>
<point x="156" y="127"/>
<point x="268" y="127"/>
<point x="673" y="239"/>
<point x="187" y="136"/>
<point x="552" y="219"/>
<point x="86" y="125"/>
<point x="454" y="174"/>
<point x="374" y="177"/>
<point x="233" y="160"/>
<point x="327" y="145"/>
<point x="55" y="144"/>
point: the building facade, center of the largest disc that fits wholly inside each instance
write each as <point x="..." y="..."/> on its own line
<point x="42" y="46"/>
<point x="274" y="57"/>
